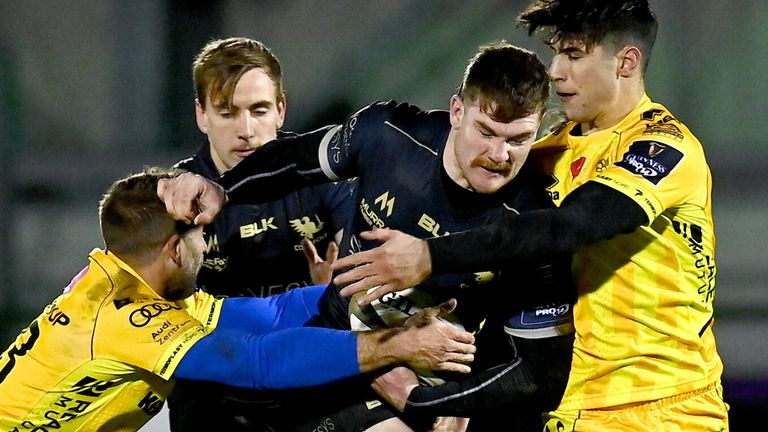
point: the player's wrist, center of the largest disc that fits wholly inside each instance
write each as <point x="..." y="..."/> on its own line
<point x="379" y="348"/>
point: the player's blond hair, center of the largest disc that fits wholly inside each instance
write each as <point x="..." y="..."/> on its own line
<point x="222" y="62"/>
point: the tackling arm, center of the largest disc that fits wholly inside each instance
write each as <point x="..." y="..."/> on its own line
<point x="593" y="212"/>
<point x="260" y="315"/>
<point x="308" y="356"/>
<point x="279" y="167"/>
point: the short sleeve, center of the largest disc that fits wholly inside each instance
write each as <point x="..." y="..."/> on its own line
<point x="656" y="173"/>
<point x="155" y="334"/>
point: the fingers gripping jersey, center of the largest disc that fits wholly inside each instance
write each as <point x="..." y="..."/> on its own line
<point x="101" y="355"/>
<point x="644" y="313"/>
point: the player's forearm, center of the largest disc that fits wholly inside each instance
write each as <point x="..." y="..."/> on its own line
<point x="279" y="167"/>
<point x="538" y="377"/>
<point x="379" y="348"/>
<point x="290" y="358"/>
<point x="260" y="315"/>
<point x="591" y="213"/>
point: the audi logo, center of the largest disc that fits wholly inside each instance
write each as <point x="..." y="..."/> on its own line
<point x="143" y="315"/>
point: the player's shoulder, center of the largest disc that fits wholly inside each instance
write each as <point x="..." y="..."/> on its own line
<point x="187" y="164"/>
<point x="657" y="123"/>
<point x="399" y="124"/>
<point x="657" y="142"/>
<point x="399" y="113"/>
<point x="389" y="108"/>
<point x="199" y="163"/>
<point x="552" y="140"/>
<point x="141" y="310"/>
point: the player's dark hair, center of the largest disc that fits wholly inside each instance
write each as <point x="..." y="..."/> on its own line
<point x="221" y="63"/>
<point x="509" y="82"/>
<point x="133" y="218"/>
<point x="618" y="22"/>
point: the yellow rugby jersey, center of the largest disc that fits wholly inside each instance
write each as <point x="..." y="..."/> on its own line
<point x="644" y="313"/>
<point x="100" y="357"/>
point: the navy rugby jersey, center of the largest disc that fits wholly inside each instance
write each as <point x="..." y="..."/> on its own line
<point x="255" y="249"/>
<point x="395" y="151"/>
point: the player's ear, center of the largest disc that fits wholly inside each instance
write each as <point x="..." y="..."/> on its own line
<point x="456" y="111"/>
<point x="630" y="59"/>
<point x="281" y="106"/>
<point x="202" y="121"/>
<point x="172" y="249"/>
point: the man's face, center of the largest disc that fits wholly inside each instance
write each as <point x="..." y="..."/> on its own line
<point x="191" y="248"/>
<point x="252" y="121"/>
<point x="487" y="154"/>
<point x="587" y="82"/>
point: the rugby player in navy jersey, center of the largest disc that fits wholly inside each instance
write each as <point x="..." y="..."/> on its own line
<point x="252" y="249"/>
<point x="430" y="174"/>
<point x="634" y="195"/>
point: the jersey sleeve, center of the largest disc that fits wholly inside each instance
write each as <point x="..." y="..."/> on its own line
<point x="155" y="334"/>
<point x="533" y="378"/>
<point x="345" y="153"/>
<point x="279" y="167"/>
<point x="261" y="315"/>
<point x="288" y="358"/>
<point x="657" y="172"/>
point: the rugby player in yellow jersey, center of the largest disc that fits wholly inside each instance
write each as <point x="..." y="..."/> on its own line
<point x="105" y="354"/>
<point x="633" y="191"/>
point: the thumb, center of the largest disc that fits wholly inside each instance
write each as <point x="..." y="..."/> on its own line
<point x="382" y="234"/>
<point x="203" y="218"/>
<point x="162" y="186"/>
<point x="310" y="251"/>
<point x="447" y="307"/>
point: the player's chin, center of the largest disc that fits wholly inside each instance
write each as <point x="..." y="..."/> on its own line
<point x="490" y="182"/>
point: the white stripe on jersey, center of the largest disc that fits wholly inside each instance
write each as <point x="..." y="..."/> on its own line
<point x="323" y="154"/>
<point x="434" y="152"/>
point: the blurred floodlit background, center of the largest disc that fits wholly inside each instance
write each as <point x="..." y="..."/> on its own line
<point x="91" y="90"/>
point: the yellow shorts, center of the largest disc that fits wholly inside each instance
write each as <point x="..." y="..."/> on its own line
<point x="698" y="411"/>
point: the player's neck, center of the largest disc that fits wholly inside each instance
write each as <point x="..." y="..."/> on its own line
<point x="451" y="165"/>
<point x="626" y="101"/>
<point x="152" y="272"/>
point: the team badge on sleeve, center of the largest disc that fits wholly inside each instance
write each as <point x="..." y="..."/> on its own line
<point x="651" y="159"/>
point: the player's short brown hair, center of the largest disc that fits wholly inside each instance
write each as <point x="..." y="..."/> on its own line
<point x="222" y="62"/>
<point x="133" y="218"/>
<point x="509" y="82"/>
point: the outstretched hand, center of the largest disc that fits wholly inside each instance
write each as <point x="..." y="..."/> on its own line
<point x="191" y="198"/>
<point x="425" y="343"/>
<point x="401" y="261"/>
<point x="437" y="345"/>
<point x="320" y="269"/>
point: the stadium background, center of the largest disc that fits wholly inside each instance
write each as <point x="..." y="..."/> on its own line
<point x="91" y="90"/>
